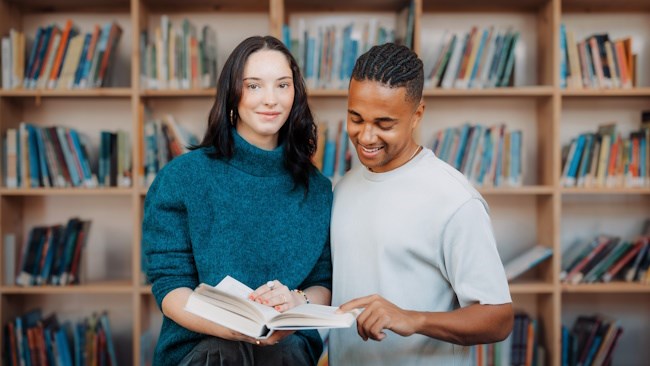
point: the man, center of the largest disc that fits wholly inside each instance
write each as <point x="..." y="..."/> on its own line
<point x="412" y="242"/>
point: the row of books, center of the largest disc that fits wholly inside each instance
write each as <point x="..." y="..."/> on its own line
<point x="607" y="258"/>
<point x="326" y="53"/>
<point x="597" y="62"/>
<point x="60" y="157"/>
<point x="32" y="339"/>
<point x="178" y="57"/>
<point x="333" y="156"/>
<point x="487" y="156"/>
<point x="475" y="60"/>
<point x="607" y="159"/>
<point x="164" y="139"/>
<point x="521" y="347"/>
<point x="52" y="254"/>
<point x="591" y="341"/>
<point x="60" y="58"/>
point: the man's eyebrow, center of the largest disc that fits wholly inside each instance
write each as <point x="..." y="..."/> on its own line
<point x="378" y="119"/>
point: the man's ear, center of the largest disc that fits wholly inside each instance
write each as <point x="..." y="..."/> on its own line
<point x="417" y="116"/>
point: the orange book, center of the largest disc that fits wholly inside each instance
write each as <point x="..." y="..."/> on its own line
<point x="530" y="343"/>
<point x="626" y="82"/>
<point x="468" y="51"/>
<point x="58" y="60"/>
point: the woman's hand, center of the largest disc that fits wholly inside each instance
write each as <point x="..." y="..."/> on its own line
<point x="277" y="295"/>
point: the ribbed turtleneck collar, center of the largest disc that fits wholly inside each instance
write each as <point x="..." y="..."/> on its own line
<point x="255" y="161"/>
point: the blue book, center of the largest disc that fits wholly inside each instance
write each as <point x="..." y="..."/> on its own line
<point x="563" y="56"/>
<point x="462" y="143"/>
<point x="32" y="56"/>
<point x="343" y="150"/>
<point x="584" y="161"/>
<point x="565" y="346"/>
<point x="479" y="52"/>
<point x="34" y="156"/>
<point x="109" y="339"/>
<point x="82" y="60"/>
<point x="68" y="157"/>
<point x="329" y="158"/>
<point x="42" y="158"/>
<point x="80" y="153"/>
<point x="55" y="238"/>
<point x="515" y="160"/>
<point x="573" y="168"/>
<point x="477" y="133"/>
<point x="63" y="346"/>
<point x="40" y="57"/>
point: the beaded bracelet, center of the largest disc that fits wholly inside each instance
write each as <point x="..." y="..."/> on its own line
<point x="301" y="292"/>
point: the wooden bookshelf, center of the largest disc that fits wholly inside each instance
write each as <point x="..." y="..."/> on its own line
<point x="541" y="211"/>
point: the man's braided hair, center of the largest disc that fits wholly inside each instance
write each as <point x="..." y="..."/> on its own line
<point x="394" y="66"/>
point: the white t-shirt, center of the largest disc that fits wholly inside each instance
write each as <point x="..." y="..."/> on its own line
<point x="420" y="236"/>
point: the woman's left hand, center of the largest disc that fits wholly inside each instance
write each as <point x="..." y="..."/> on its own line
<point x="277" y="295"/>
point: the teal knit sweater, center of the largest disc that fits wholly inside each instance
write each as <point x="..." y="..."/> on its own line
<point x="205" y="218"/>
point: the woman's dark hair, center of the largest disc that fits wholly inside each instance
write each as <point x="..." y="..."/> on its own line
<point x="298" y="134"/>
<point x="393" y="65"/>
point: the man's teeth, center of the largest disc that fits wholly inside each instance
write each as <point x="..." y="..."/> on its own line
<point x="370" y="150"/>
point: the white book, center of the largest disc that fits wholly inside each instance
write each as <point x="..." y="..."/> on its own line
<point x="227" y="304"/>
<point x="527" y="260"/>
<point x="6" y="63"/>
<point x="9" y="253"/>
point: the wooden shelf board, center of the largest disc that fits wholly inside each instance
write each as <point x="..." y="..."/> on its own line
<point x="481" y="6"/>
<point x="109" y="287"/>
<point x="584" y="93"/>
<point x="173" y="93"/>
<point x="76" y="93"/>
<point x="531" y="288"/>
<point x="530" y="91"/>
<point x="145" y="290"/>
<point x="586" y="6"/>
<point x="66" y="191"/>
<point x="527" y="91"/>
<point x="525" y="190"/>
<point x="605" y="191"/>
<point x="604" y="288"/>
<point x="345" y="5"/>
<point x="246" y="6"/>
<point x="42" y="6"/>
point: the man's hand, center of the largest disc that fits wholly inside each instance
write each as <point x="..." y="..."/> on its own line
<point x="380" y="314"/>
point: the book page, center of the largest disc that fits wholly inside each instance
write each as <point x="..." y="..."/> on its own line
<point x="235" y="293"/>
<point x="313" y="316"/>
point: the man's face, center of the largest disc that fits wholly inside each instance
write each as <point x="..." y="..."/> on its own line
<point x="380" y="123"/>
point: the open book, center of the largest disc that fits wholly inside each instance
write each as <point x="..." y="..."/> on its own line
<point x="227" y="304"/>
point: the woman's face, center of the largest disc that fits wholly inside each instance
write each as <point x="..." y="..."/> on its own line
<point x="267" y="97"/>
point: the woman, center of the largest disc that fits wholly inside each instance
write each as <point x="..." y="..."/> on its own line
<point x="248" y="203"/>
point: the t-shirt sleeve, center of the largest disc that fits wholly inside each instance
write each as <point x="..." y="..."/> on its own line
<point x="169" y="259"/>
<point x="473" y="265"/>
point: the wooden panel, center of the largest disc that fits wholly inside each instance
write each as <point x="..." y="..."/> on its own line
<point x="605" y="5"/>
<point x="480" y="5"/>
<point x="208" y="5"/>
<point x="42" y="6"/>
<point x="344" y="5"/>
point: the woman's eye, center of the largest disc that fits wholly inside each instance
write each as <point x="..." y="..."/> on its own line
<point x="253" y="86"/>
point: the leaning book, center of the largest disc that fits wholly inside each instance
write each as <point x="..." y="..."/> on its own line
<point x="227" y="304"/>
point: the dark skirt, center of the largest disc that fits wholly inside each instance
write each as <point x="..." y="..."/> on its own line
<point x="212" y="351"/>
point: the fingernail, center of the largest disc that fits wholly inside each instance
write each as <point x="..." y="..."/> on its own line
<point x="277" y="307"/>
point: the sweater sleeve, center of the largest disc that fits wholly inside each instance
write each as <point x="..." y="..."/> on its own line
<point x="166" y="240"/>
<point x="321" y="274"/>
